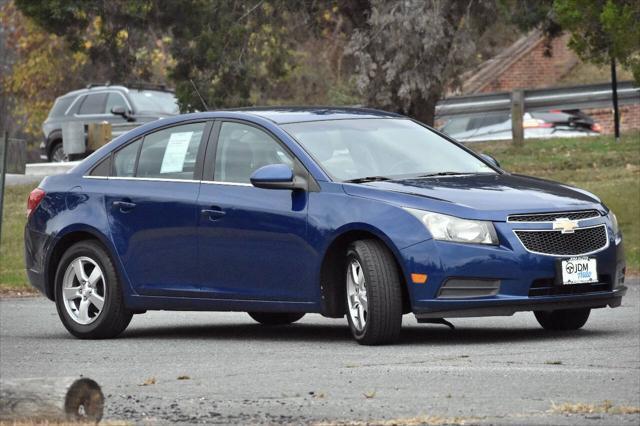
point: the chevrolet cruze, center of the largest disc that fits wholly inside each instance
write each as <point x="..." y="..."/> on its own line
<point x="343" y="212"/>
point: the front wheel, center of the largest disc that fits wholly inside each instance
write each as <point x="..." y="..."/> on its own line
<point x="563" y="319"/>
<point x="88" y="293"/>
<point x="57" y="153"/>
<point x="374" y="293"/>
<point x="276" y="318"/>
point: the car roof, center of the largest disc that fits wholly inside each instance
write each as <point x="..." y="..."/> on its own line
<point x="116" y="88"/>
<point x="283" y="115"/>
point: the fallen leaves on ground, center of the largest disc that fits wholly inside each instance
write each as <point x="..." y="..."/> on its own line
<point x="149" y="381"/>
<point x="606" y="407"/>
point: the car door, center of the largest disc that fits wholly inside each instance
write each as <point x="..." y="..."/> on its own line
<point x="151" y="203"/>
<point x="252" y="241"/>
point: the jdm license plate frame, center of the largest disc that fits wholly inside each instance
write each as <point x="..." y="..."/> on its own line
<point x="570" y="271"/>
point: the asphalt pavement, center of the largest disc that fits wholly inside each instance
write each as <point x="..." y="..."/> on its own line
<point x="503" y="370"/>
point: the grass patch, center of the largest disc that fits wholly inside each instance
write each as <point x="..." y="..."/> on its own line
<point x="12" y="272"/>
<point x="600" y="165"/>
<point x="608" y="169"/>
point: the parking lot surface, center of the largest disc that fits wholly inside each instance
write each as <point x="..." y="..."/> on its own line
<point x="207" y="367"/>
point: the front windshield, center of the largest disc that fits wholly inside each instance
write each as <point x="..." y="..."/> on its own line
<point x="383" y="148"/>
<point x="154" y="101"/>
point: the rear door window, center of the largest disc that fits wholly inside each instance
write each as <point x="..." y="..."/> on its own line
<point x="171" y="153"/>
<point x="93" y="104"/>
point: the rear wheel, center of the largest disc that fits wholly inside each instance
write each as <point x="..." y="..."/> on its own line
<point x="276" y="318"/>
<point x="88" y="293"/>
<point x="374" y="293"/>
<point x="564" y="319"/>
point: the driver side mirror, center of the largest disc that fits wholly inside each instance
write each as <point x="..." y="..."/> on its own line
<point x="277" y="176"/>
<point x="122" y="111"/>
<point x="491" y="160"/>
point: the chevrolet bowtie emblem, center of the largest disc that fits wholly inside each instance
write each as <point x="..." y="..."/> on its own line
<point x="565" y="225"/>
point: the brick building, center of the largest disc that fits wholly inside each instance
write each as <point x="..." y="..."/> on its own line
<point x="527" y="65"/>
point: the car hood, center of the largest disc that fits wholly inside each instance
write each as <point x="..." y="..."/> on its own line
<point x="488" y="197"/>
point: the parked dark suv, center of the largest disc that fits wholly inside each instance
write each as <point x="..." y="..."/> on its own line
<point x="118" y="105"/>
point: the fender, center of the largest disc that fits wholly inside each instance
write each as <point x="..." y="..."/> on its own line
<point x="104" y="240"/>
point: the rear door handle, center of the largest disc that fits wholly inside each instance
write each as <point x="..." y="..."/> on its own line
<point x="124" y="206"/>
<point x="214" y="213"/>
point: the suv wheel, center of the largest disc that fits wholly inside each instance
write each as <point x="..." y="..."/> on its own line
<point x="88" y="293"/>
<point x="564" y="319"/>
<point x="373" y="293"/>
<point x="57" y="154"/>
<point x="276" y="318"/>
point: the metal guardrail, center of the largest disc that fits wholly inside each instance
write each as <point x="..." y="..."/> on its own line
<point x="575" y="97"/>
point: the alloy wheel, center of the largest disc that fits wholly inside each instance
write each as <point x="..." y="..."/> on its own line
<point x="357" y="295"/>
<point x="84" y="290"/>
<point x="58" y="155"/>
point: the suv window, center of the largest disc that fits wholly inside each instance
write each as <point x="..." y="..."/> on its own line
<point x="242" y="149"/>
<point x="93" y="104"/>
<point x="124" y="160"/>
<point x="115" y="100"/>
<point x="171" y="153"/>
<point x="60" y="106"/>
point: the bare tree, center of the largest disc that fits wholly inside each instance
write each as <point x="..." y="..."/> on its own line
<point x="410" y="51"/>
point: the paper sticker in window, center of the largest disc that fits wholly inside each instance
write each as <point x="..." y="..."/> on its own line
<point x="174" y="155"/>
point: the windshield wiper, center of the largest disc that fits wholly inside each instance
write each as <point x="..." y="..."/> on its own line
<point x="368" y="179"/>
<point x="444" y="174"/>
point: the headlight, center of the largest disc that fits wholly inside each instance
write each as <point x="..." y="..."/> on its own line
<point x="449" y="228"/>
<point x="614" y="223"/>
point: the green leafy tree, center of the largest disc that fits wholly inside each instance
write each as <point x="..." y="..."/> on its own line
<point x="602" y="30"/>
<point x="234" y="51"/>
<point x="121" y="39"/>
<point x="41" y="69"/>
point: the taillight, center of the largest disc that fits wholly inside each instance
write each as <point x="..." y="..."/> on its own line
<point x="596" y="127"/>
<point x="34" y="199"/>
<point x="533" y="123"/>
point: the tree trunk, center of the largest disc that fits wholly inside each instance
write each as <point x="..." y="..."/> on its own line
<point x="51" y="399"/>
<point x="424" y="109"/>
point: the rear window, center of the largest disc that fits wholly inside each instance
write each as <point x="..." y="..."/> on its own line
<point x="60" y="106"/>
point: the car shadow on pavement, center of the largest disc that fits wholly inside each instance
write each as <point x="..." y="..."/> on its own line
<point x="410" y="335"/>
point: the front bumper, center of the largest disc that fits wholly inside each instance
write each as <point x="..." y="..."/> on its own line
<point x="526" y="281"/>
<point x="43" y="151"/>
<point x="508" y="306"/>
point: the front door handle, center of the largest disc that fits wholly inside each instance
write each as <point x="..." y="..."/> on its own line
<point x="214" y="213"/>
<point x="124" y="206"/>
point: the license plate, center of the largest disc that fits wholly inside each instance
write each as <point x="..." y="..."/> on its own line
<point x="579" y="270"/>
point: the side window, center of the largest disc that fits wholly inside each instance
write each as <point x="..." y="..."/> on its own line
<point x="124" y="160"/>
<point x="93" y="104"/>
<point x="102" y="168"/>
<point x="60" y="106"/>
<point x="171" y="153"/>
<point x="242" y="149"/>
<point x="115" y="100"/>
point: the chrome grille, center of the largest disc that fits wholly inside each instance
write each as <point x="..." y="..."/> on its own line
<point x="550" y="217"/>
<point x="581" y="241"/>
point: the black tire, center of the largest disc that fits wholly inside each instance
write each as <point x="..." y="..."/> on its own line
<point x="276" y="318"/>
<point x="564" y="319"/>
<point x="56" y="153"/>
<point x="383" y="293"/>
<point x="114" y="317"/>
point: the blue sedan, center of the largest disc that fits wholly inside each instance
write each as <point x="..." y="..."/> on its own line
<point x="338" y="211"/>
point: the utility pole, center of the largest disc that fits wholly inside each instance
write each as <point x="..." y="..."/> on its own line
<point x="4" y="153"/>
<point x="614" y="92"/>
